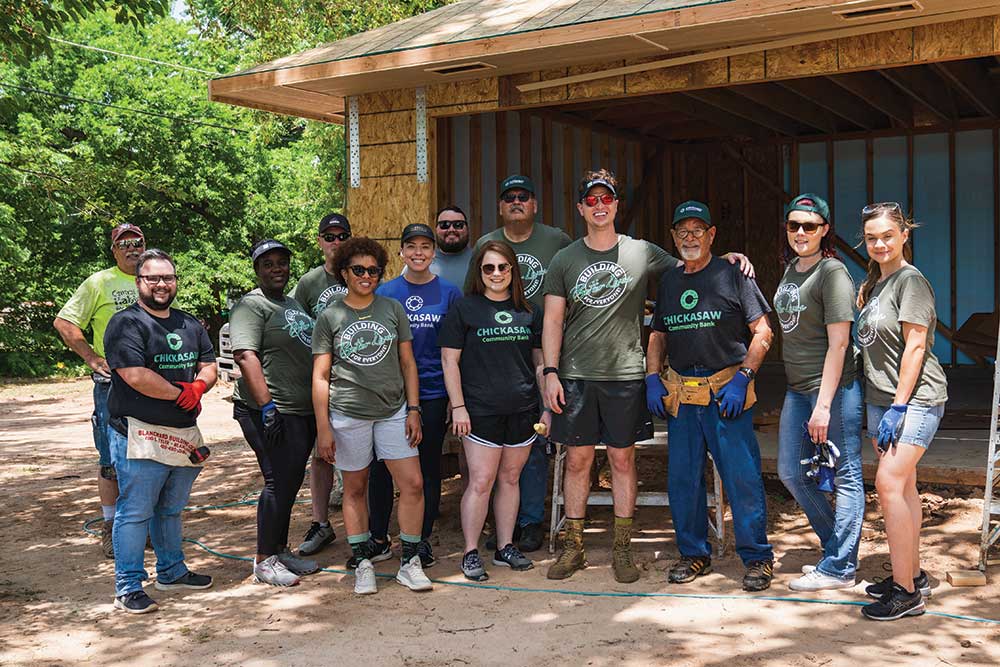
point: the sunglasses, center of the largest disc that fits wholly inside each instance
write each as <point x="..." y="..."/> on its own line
<point x="683" y="234"/>
<point x="372" y="271"/>
<point x="124" y="244"/>
<point x="882" y="206"/>
<point x="167" y="278"/>
<point x="330" y="238"/>
<point x="490" y="269"/>
<point x="522" y="197"/>
<point x="457" y="224"/>
<point x="606" y="199"/>
<point x="807" y="227"/>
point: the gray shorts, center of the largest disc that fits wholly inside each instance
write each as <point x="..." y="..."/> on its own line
<point x="358" y="441"/>
<point x="920" y="423"/>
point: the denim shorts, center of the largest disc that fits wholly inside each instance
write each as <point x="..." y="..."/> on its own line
<point x="920" y="422"/>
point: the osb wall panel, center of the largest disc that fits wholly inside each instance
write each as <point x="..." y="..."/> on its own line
<point x="955" y="39"/>
<point x="748" y="67"/>
<point x="694" y="75"/>
<point x="381" y="207"/>
<point x="389" y="159"/>
<point x="388" y="100"/>
<point x="884" y="48"/>
<point x="381" y="128"/>
<point x="598" y="87"/>
<point x="802" y="60"/>
<point x="461" y="92"/>
<point x="510" y="96"/>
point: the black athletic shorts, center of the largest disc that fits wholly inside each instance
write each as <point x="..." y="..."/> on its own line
<point x="611" y="413"/>
<point x="516" y="430"/>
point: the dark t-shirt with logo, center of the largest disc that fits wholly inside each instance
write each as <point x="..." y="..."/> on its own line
<point x="705" y="315"/>
<point x="534" y="255"/>
<point x="317" y="289"/>
<point x="498" y="374"/>
<point x="426" y="306"/>
<point x="169" y="346"/>
<point x="280" y="332"/>
<point x="366" y="381"/>
<point x="605" y="292"/>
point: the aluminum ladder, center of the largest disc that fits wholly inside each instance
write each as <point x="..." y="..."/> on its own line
<point x="991" y="496"/>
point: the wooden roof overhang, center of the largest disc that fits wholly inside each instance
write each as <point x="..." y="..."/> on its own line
<point x="475" y="39"/>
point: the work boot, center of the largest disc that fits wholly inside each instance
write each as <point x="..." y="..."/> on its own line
<point x="572" y="556"/>
<point x="621" y="555"/>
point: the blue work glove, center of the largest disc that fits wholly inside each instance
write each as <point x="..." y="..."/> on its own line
<point x="272" y="421"/>
<point x="890" y="427"/>
<point x="732" y="397"/>
<point x="655" y="393"/>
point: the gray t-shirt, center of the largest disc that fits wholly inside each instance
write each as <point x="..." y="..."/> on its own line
<point x="450" y="266"/>
<point x="280" y="332"/>
<point x="806" y="303"/>
<point x="317" y="289"/>
<point x="366" y="381"/>
<point x="534" y="256"/>
<point x="905" y="296"/>
<point x="605" y="292"/>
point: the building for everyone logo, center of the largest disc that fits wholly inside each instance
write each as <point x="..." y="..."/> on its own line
<point x="366" y="343"/>
<point x="532" y="274"/>
<point x="601" y="284"/>
<point x="300" y="326"/>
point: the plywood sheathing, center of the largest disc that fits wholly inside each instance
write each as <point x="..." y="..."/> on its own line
<point x="389" y="160"/>
<point x="894" y="47"/>
<point x="695" y="75"/>
<point x="748" y="67"/>
<point x="957" y="39"/>
<point x="608" y="87"/>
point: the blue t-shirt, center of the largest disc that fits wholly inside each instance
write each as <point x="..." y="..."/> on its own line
<point x="425" y="306"/>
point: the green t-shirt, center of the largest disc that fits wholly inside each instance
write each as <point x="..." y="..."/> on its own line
<point x="280" y="332"/>
<point x="805" y="303"/>
<point x="534" y="256"/>
<point x="905" y="296"/>
<point x="317" y="289"/>
<point x="605" y="293"/>
<point x="98" y="298"/>
<point x="366" y="381"/>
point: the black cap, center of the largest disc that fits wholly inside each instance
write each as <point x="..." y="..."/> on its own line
<point x="692" y="209"/>
<point x="266" y="246"/>
<point x="593" y="183"/>
<point x="415" y="230"/>
<point x="334" y="220"/>
<point x="517" y="182"/>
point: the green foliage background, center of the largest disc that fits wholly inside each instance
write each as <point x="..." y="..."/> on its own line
<point x="203" y="180"/>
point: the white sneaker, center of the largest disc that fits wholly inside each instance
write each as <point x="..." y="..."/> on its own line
<point x="806" y="569"/>
<point x="411" y="574"/>
<point x="817" y="581"/>
<point x="273" y="572"/>
<point x="364" y="578"/>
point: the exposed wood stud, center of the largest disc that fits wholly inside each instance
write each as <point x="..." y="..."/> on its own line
<point x="666" y="211"/>
<point x="871" y="89"/>
<point x="782" y="101"/>
<point x="795" y="168"/>
<point x="869" y="170"/>
<point x="923" y="87"/>
<point x="443" y="164"/>
<point x="476" y="174"/>
<point x="831" y="181"/>
<point x="524" y="123"/>
<point x="953" y="245"/>
<point x="575" y="120"/>
<point x="569" y="179"/>
<point x="847" y="107"/>
<point x="621" y="172"/>
<point x="548" y="193"/>
<point x="698" y="109"/>
<point x="750" y="111"/>
<point x="972" y="79"/>
<point x="996" y="220"/>
<point x="605" y="151"/>
<point x="501" y="145"/>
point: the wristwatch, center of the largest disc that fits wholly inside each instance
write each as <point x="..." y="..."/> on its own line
<point x="550" y="369"/>
<point x="749" y="372"/>
<point x="415" y="408"/>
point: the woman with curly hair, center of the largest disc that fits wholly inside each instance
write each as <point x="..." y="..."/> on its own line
<point x="366" y="397"/>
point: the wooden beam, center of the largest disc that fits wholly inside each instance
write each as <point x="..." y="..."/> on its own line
<point x="698" y="109"/>
<point x="996" y="222"/>
<point x="827" y="97"/>
<point x="645" y="187"/>
<point x="524" y="144"/>
<point x="569" y="179"/>
<point x="795" y="168"/>
<point x="871" y="89"/>
<point x="501" y="145"/>
<point x="548" y="193"/>
<point x="831" y="180"/>
<point x="783" y="101"/>
<point x="749" y="110"/>
<point x="593" y="126"/>
<point x="869" y="170"/>
<point x="923" y="87"/>
<point x="971" y="78"/>
<point x="476" y="175"/>
<point x="444" y="163"/>
<point x="953" y="242"/>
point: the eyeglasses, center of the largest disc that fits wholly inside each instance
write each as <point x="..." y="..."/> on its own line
<point x="807" y="227"/>
<point x="330" y="238"/>
<point x="683" y="234"/>
<point x="125" y="244"/>
<point x="490" y="269"/>
<point x="521" y="197"/>
<point x="606" y="199"/>
<point x="881" y="206"/>
<point x="372" y="271"/>
<point x="167" y="278"/>
<point x="457" y="224"/>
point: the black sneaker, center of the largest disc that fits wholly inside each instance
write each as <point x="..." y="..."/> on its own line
<point x="531" y="537"/>
<point x="375" y="551"/>
<point x="473" y="568"/>
<point x="136" y="602"/>
<point x="510" y="556"/>
<point x="896" y="603"/>
<point x="426" y="554"/>
<point x="687" y="569"/>
<point x="758" y="575"/>
<point x="880" y="588"/>
<point x="491" y="540"/>
<point x="187" y="580"/>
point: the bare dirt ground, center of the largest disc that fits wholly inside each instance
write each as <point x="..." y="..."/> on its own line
<point x="56" y="589"/>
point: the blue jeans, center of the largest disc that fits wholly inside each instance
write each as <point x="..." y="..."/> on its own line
<point x="99" y="421"/>
<point x="534" y="485"/>
<point x="737" y="456"/>
<point x="150" y="499"/>
<point x="839" y="530"/>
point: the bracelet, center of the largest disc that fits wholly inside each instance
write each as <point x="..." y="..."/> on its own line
<point x="550" y="369"/>
<point x="456" y="407"/>
<point x="414" y="408"/>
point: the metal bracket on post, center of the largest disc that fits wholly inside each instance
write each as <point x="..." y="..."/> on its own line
<point x="421" y="114"/>
<point x="354" y="141"/>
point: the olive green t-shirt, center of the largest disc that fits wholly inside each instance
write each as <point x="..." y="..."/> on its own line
<point x="317" y="289"/>
<point x="366" y="381"/>
<point x="905" y="296"/>
<point x="98" y="298"/>
<point x="533" y="257"/>
<point x="806" y="302"/>
<point x="605" y="292"/>
<point x="280" y="332"/>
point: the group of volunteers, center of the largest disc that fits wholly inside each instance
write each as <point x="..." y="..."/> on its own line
<point x="524" y="332"/>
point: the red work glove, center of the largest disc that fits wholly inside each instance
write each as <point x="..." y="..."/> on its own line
<point x="191" y="393"/>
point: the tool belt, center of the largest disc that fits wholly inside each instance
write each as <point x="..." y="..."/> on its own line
<point x="683" y="390"/>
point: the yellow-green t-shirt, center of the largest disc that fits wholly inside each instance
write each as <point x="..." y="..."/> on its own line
<point x="98" y="298"/>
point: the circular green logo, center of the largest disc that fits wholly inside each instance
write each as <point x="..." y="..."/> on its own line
<point x="174" y="341"/>
<point x="689" y="299"/>
<point x="503" y="317"/>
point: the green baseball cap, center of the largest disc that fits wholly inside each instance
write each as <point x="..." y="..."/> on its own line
<point x="811" y="204"/>
<point x="517" y="182"/>
<point x="692" y="209"/>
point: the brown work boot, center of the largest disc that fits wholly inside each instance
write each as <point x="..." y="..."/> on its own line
<point x="107" y="545"/>
<point x="572" y="557"/>
<point x="621" y="556"/>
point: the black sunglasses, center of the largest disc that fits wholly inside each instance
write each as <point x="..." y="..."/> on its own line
<point x="448" y="224"/>
<point x="521" y="197"/>
<point x="330" y="238"/>
<point x="372" y="271"/>
<point x="807" y="227"/>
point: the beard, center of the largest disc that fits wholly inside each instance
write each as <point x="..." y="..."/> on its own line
<point x="157" y="303"/>
<point x="689" y="254"/>
<point x="453" y="246"/>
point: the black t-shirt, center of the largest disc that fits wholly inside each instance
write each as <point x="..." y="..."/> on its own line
<point x="169" y="346"/>
<point x="498" y="375"/>
<point x="705" y="315"/>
